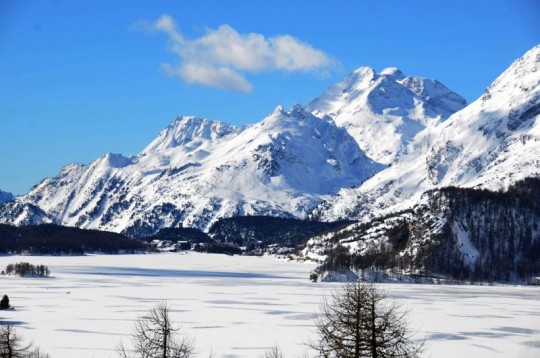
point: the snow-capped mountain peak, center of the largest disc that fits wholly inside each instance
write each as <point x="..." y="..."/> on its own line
<point x="352" y="87"/>
<point x="113" y="160"/>
<point x="384" y="111"/>
<point x="393" y="72"/>
<point x="296" y="116"/>
<point x="190" y="131"/>
<point x="312" y="153"/>
<point x="520" y="74"/>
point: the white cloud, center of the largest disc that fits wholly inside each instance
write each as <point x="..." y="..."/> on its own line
<point x="222" y="56"/>
<point x="292" y="55"/>
<point x="199" y="73"/>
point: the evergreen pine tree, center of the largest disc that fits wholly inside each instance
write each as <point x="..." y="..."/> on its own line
<point x="4" y="303"/>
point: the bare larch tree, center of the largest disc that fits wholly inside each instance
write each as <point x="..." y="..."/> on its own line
<point x="12" y="345"/>
<point x="156" y="336"/>
<point x="359" y="321"/>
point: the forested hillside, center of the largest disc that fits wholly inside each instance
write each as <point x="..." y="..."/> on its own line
<point x="56" y="239"/>
<point x="454" y="232"/>
<point x="269" y="230"/>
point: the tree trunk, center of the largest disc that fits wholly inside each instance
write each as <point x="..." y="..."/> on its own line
<point x="165" y="336"/>
<point x="357" y="333"/>
<point x="373" y="331"/>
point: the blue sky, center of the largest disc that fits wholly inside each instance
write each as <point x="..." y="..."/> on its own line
<point x="81" y="78"/>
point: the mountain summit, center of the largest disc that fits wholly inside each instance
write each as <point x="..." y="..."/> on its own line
<point x="384" y="111"/>
<point x="191" y="132"/>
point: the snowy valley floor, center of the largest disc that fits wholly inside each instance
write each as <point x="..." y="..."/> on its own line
<point x="238" y="306"/>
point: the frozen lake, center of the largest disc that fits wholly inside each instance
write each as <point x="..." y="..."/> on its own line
<point x="238" y="306"/>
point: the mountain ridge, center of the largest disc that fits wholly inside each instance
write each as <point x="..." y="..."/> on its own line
<point x="300" y="164"/>
<point x="491" y="143"/>
<point x="197" y="171"/>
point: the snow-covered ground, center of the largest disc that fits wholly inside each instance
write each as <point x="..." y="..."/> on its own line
<point x="238" y="306"/>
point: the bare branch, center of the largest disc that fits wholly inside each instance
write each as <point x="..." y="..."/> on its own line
<point x="274" y="352"/>
<point x="13" y="346"/>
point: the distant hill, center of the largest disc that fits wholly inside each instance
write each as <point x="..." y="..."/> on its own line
<point x="5" y="196"/>
<point x="55" y="240"/>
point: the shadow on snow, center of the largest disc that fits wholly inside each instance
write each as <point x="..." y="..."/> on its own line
<point x="147" y="272"/>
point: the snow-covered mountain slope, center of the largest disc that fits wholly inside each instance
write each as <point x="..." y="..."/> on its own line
<point x="22" y="213"/>
<point x="5" y="196"/>
<point x="492" y="143"/>
<point x="384" y="111"/>
<point x="197" y="171"/>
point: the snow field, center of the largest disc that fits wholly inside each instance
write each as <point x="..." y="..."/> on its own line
<point x="238" y="306"/>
